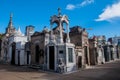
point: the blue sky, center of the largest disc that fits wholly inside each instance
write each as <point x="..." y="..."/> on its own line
<point x="103" y="16"/>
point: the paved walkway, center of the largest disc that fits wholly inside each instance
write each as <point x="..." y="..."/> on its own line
<point x="108" y="71"/>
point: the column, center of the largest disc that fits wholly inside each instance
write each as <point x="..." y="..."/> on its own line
<point x="68" y="38"/>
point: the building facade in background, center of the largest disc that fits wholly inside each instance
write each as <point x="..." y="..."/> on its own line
<point x="4" y="46"/>
<point x="79" y="37"/>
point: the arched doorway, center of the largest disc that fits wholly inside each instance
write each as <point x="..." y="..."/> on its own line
<point x="13" y="53"/>
<point x="37" y="54"/>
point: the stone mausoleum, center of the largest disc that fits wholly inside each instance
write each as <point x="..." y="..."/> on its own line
<point x="60" y="54"/>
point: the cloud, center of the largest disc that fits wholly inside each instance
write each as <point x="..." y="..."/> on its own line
<point x="82" y="4"/>
<point x="70" y="7"/>
<point x="86" y="2"/>
<point x="110" y="12"/>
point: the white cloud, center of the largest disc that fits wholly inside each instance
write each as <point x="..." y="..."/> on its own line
<point x="70" y="7"/>
<point x="110" y="12"/>
<point x="82" y="4"/>
<point x="86" y="2"/>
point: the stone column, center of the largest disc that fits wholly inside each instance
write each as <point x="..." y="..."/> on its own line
<point x="88" y="55"/>
<point x="68" y="38"/>
<point x="51" y="34"/>
<point x="60" y="27"/>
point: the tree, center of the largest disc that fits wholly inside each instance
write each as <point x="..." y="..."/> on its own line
<point x="1" y="35"/>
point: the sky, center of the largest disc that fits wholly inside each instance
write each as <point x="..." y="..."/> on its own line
<point x="102" y="16"/>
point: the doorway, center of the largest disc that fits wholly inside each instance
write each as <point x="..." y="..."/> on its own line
<point x="96" y="55"/>
<point x="13" y="53"/>
<point x="86" y="55"/>
<point x="79" y="61"/>
<point x="37" y="54"/>
<point x="51" y="57"/>
<point x="18" y="57"/>
<point x="111" y="55"/>
<point x="28" y="53"/>
<point x="117" y="51"/>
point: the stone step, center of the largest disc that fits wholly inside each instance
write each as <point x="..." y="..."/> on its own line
<point x="35" y="66"/>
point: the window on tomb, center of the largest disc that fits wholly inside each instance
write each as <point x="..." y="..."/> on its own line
<point x="70" y="55"/>
<point x="118" y="42"/>
<point x="60" y="52"/>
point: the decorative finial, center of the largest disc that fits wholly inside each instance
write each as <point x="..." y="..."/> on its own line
<point x="10" y="25"/>
<point x="59" y="11"/>
<point x="19" y="30"/>
<point x="11" y="15"/>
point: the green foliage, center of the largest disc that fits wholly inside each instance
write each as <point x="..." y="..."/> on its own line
<point x="1" y="35"/>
